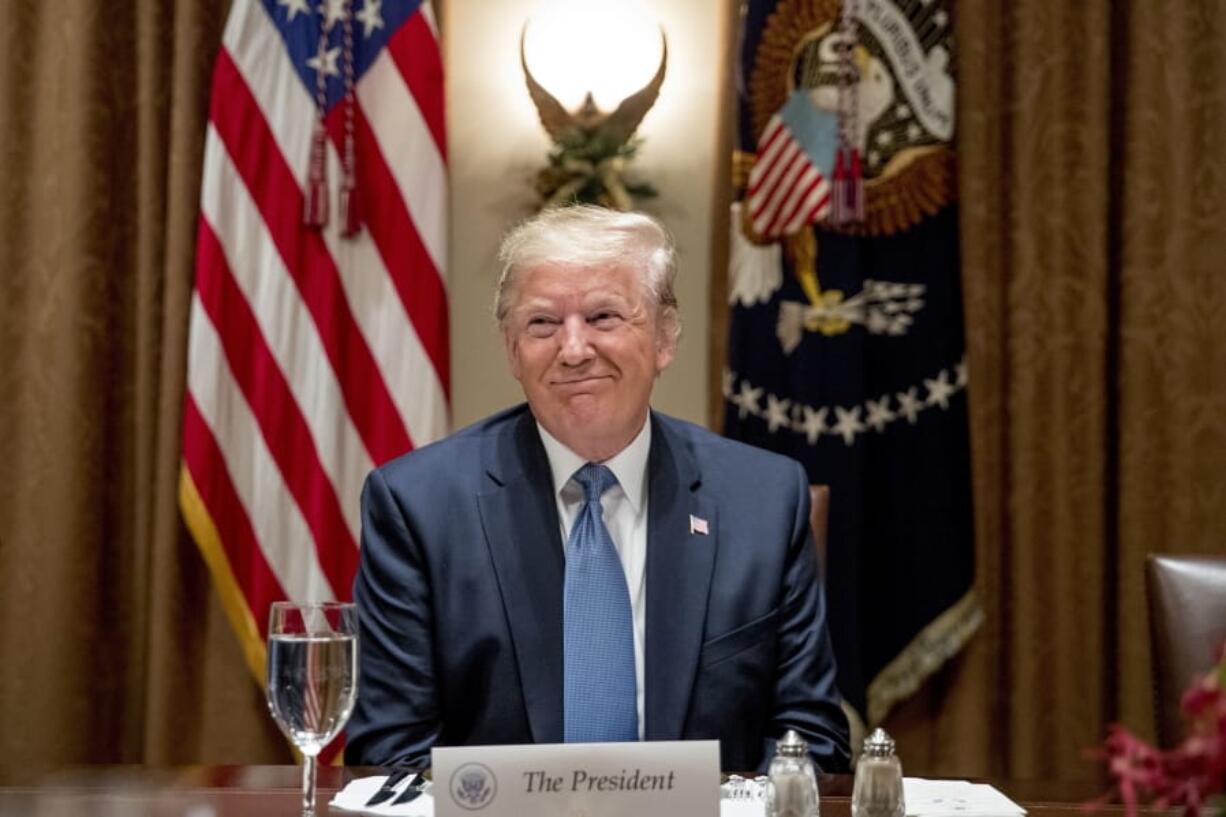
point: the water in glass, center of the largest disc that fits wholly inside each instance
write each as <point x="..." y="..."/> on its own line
<point x="311" y="686"/>
<point x="312" y="677"/>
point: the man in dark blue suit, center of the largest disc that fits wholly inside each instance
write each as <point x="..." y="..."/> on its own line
<point x="579" y="567"/>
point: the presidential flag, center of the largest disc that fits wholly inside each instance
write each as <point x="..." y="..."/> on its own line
<point x="318" y="345"/>
<point x="846" y="342"/>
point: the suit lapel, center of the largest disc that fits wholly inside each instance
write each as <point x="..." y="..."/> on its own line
<point x="520" y="519"/>
<point x="679" y="566"/>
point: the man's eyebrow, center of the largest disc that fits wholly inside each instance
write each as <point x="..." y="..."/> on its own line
<point x="606" y="297"/>
<point x="533" y="303"/>
<point x="589" y="301"/>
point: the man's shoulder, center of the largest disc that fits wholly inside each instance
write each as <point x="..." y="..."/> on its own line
<point x="713" y="451"/>
<point x="458" y="453"/>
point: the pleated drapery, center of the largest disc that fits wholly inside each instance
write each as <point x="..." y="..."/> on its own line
<point x="112" y="645"/>
<point x="1092" y="173"/>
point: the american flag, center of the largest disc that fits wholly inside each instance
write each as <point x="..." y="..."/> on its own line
<point x="313" y="356"/>
<point x="788" y="187"/>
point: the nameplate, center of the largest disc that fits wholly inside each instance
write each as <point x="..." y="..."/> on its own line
<point x="647" y="779"/>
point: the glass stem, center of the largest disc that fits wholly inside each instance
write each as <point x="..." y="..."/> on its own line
<point x="308" y="784"/>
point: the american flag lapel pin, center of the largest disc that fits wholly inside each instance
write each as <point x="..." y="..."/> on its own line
<point x="699" y="525"/>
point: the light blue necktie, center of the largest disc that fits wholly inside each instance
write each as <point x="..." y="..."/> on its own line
<point x="598" y="628"/>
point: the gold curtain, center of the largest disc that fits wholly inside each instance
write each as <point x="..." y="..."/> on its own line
<point x="113" y="647"/>
<point x="1092" y="149"/>
<point x="1092" y="142"/>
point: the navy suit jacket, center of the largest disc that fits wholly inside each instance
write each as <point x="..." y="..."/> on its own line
<point x="460" y="600"/>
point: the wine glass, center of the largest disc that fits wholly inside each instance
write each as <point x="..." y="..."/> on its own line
<point x="312" y="677"/>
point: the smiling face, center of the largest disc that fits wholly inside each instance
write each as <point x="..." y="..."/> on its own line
<point x="586" y="345"/>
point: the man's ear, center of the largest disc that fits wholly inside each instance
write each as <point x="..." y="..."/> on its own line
<point x="664" y="355"/>
<point x="667" y="335"/>
<point x="510" y="345"/>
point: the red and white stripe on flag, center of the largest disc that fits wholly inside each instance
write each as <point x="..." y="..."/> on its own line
<point x="312" y="357"/>
<point x="786" y="191"/>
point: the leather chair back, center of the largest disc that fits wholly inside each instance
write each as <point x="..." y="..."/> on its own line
<point x="1187" y="623"/>
<point x="819" y="515"/>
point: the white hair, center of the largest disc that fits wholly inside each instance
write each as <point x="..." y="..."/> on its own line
<point x="595" y="238"/>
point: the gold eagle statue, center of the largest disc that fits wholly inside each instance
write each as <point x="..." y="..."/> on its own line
<point x="591" y="147"/>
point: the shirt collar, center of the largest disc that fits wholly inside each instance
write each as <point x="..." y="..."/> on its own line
<point x="629" y="465"/>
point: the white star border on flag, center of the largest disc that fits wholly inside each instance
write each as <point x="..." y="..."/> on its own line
<point x="876" y="415"/>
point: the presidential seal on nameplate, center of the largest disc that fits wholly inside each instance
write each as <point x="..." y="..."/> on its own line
<point x="646" y="779"/>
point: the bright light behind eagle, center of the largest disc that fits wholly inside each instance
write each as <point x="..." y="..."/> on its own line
<point x="610" y="48"/>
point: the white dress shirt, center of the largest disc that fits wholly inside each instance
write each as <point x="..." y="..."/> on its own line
<point x="624" y="508"/>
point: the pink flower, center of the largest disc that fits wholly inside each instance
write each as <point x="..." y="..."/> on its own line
<point x="1188" y="775"/>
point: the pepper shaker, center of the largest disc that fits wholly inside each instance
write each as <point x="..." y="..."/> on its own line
<point x="791" y="790"/>
<point x="877" y="791"/>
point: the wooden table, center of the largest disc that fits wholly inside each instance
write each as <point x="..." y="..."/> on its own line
<point x="273" y="791"/>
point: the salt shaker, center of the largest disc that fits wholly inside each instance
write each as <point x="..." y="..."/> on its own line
<point x="877" y="791"/>
<point x="791" y="790"/>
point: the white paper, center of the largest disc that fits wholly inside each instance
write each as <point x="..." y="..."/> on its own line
<point x="924" y="798"/>
<point x="742" y="808"/>
<point x="355" y="796"/>
<point x="956" y="798"/>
